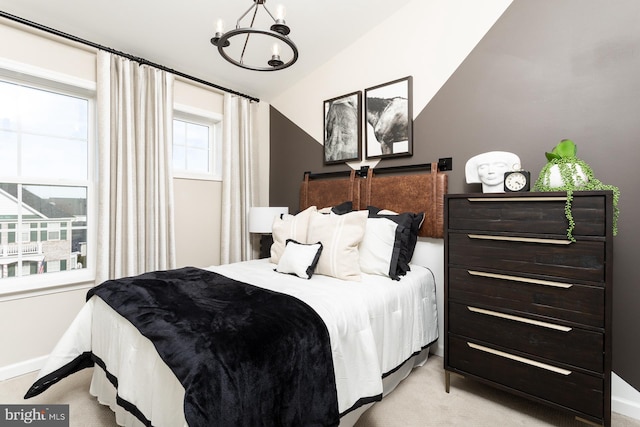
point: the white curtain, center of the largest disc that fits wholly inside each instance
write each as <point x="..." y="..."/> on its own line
<point x="135" y="187"/>
<point x="239" y="190"/>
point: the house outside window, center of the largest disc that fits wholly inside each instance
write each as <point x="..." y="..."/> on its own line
<point x="197" y="144"/>
<point x="46" y="185"/>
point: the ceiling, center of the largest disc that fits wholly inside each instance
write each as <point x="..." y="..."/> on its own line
<point x="176" y="34"/>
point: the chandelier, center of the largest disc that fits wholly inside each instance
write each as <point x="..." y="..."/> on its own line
<point x="250" y="56"/>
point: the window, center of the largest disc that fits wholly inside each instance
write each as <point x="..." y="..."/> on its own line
<point x="45" y="182"/>
<point x="197" y="147"/>
<point x="53" y="232"/>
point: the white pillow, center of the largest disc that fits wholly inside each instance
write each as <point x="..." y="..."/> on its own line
<point x="299" y="259"/>
<point x="409" y="224"/>
<point x="340" y="236"/>
<point x="289" y="227"/>
<point x="379" y="249"/>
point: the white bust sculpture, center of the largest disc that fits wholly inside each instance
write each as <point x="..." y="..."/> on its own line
<point x="489" y="168"/>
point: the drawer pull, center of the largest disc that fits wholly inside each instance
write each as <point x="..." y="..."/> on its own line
<point x="519" y="359"/>
<point x="519" y="199"/>
<point x="520" y="319"/>
<point x="520" y="279"/>
<point x="519" y="239"/>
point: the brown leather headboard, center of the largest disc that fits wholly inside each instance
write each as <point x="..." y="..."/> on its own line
<point x="330" y="191"/>
<point x="421" y="191"/>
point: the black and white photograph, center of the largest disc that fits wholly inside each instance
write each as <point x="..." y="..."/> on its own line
<point x="389" y="119"/>
<point x="343" y="128"/>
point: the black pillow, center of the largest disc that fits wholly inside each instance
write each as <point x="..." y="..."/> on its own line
<point x="416" y="223"/>
<point x="342" y="208"/>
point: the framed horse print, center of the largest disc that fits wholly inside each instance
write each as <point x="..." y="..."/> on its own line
<point x="343" y="128"/>
<point x="389" y="119"/>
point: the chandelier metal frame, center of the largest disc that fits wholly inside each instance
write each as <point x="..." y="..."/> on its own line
<point x="279" y="30"/>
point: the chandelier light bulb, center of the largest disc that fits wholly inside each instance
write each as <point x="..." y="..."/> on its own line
<point x="219" y="33"/>
<point x="219" y="26"/>
<point x="280" y="26"/>
<point x="275" y="56"/>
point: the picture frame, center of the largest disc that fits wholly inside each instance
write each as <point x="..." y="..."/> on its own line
<point x="342" y="131"/>
<point x="389" y="119"/>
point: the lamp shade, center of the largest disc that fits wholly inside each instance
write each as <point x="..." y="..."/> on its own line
<point x="261" y="218"/>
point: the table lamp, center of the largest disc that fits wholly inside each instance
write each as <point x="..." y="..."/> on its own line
<point x="260" y="222"/>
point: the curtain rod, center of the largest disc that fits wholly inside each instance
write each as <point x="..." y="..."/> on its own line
<point x="126" y="55"/>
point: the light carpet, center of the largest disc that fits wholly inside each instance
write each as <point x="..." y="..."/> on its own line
<point x="419" y="401"/>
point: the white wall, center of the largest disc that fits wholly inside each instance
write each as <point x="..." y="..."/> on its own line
<point x="65" y="58"/>
<point x="31" y="326"/>
<point x="197" y="215"/>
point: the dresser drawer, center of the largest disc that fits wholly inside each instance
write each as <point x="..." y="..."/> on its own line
<point x="575" y="390"/>
<point x="526" y="215"/>
<point x="552" y="341"/>
<point x="581" y="260"/>
<point x="550" y="299"/>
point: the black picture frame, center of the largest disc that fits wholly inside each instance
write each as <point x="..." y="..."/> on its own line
<point x="389" y="119"/>
<point x="342" y="131"/>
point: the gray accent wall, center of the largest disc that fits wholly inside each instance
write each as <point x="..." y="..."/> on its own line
<point x="292" y="153"/>
<point x="547" y="70"/>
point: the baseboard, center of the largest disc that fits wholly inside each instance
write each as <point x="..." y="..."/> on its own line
<point x="625" y="399"/>
<point x="21" y="368"/>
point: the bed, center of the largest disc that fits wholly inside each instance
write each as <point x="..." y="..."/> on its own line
<point x="325" y="345"/>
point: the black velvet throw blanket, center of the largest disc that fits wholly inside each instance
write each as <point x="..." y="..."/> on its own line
<point x="246" y="356"/>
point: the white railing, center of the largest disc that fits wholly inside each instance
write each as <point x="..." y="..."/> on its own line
<point x="27" y="249"/>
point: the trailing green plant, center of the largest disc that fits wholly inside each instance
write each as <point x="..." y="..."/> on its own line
<point x="564" y="157"/>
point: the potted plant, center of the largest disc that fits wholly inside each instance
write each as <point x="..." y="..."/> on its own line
<point x="565" y="172"/>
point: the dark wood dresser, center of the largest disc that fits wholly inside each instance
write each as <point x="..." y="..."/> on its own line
<point x="526" y="309"/>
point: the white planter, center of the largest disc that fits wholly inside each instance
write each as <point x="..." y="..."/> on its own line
<point x="556" y="181"/>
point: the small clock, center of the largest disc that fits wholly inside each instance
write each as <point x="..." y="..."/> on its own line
<point x="515" y="181"/>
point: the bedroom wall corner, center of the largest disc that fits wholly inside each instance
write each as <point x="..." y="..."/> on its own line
<point x="625" y="399"/>
<point x="30" y="327"/>
<point x="263" y="126"/>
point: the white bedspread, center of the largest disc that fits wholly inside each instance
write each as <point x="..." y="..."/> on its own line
<point x="374" y="326"/>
